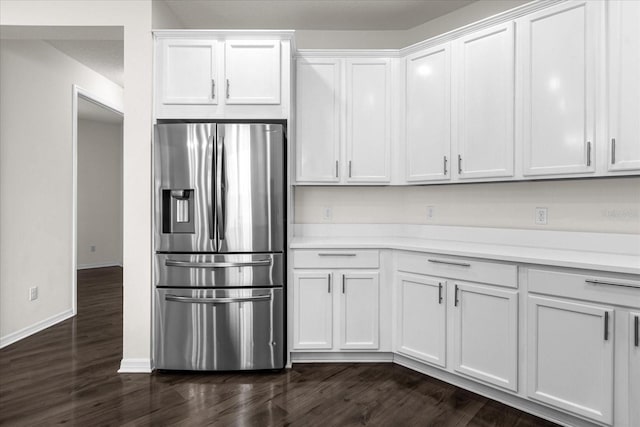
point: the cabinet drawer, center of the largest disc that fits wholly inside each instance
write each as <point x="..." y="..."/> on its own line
<point x="460" y="268"/>
<point x="586" y="286"/>
<point x="333" y="258"/>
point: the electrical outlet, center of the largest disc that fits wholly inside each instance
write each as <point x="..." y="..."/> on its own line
<point x="33" y="293"/>
<point x="327" y="213"/>
<point x="93" y="248"/>
<point x="542" y="216"/>
<point x="431" y="213"/>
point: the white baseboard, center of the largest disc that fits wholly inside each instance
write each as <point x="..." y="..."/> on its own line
<point x="99" y="265"/>
<point x="135" y="366"/>
<point x="341" y="357"/>
<point x="35" y="328"/>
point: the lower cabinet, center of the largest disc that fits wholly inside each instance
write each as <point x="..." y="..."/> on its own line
<point x="485" y="334"/>
<point x="570" y="356"/>
<point x="350" y="298"/>
<point x="422" y="318"/>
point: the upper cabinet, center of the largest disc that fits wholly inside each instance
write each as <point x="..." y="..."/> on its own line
<point x="485" y="79"/>
<point x="428" y="115"/>
<point x="343" y="120"/>
<point x="252" y="71"/>
<point x="211" y="74"/>
<point x="558" y="48"/>
<point x="624" y="86"/>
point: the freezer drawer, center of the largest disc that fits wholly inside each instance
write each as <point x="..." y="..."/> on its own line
<point x="219" y="329"/>
<point x="209" y="270"/>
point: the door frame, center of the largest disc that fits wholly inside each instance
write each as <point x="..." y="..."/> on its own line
<point x="77" y="93"/>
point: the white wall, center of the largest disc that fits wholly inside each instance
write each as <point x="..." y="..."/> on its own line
<point x="99" y="194"/>
<point x="598" y="205"/>
<point x="135" y="17"/>
<point x="36" y="83"/>
<point x="163" y="17"/>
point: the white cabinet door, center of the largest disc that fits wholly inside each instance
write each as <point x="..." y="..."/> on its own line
<point x="318" y="120"/>
<point x="252" y="71"/>
<point x="485" y="333"/>
<point x="368" y="83"/>
<point x="421" y="314"/>
<point x="624" y="85"/>
<point x="634" y="369"/>
<point x="188" y="72"/>
<point x="485" y="80"/>
<point x="558" y="47"/>
<point x="359" y="310"/>
<point x="570" y="356"/>
<point x="312" y="310"/>
<point x="428" y="115"/>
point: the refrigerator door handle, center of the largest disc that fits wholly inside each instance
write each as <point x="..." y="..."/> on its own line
<point x="210" y="190"/>
<point x="191" y="300"/>
<point x="189" y="264"/>
<point x="220" y="188"/>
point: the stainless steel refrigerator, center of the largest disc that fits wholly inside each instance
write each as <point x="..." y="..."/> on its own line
<point x="219" y="246"/>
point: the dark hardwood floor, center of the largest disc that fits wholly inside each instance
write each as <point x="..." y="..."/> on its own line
<point x="67" y="375"/>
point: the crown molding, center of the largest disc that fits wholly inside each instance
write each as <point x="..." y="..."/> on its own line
<point x="348" y="53"/>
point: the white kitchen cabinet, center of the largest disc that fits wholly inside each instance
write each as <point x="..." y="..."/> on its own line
<point x="421" y="317"/>
<point x="359" y="310"/>
<point x="318" y="121"/>
<point x="485" y="333"/>
<point x="624" y="85"/>
<point x="252" y="71"/>
<point x="343" y="120"/>
<point x="634" y="368"/>
<point x="485" y="80"/>
<point x="558" y="53"/>
<point x="428" y="115"/>
<point x="368" y="120"/>
<point x="313" y="309"/>
<point x="570" y="356"/>
<point x="188" y="72"/>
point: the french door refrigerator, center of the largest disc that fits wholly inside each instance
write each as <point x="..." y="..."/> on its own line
<point x="219" y="246"/>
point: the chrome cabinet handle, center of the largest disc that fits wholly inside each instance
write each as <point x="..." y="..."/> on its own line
<point x="607" y="283"/>
<point x="349" y="168"/>
<point x="445" y="165"/>
<point x="228" y="89"/>
<point x="329" y="283"/>
<point x="459" y="163"/>
<point x="588" y="153"/>
<point x="636" y="330"/>
<point x="613" y="151"/>
<point x="337" y="173"/>
<point x="606" y="326"/>
<point x="343" y="285"/>
<point x="335" y="254"/>
<point x="459" y="264"/>
<point x="439" y="292"/>
<point x="213" y="89"/>
<point x="192" y="300"/>
<point x="455" y="299"/>
<point x="190" y="264"/>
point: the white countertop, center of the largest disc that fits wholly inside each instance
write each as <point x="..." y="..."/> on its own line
<point x="591" y="257"/>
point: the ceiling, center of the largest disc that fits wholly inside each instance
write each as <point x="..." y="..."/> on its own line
<point x="89" y="110"/>
<point x="365" y="15"/>
<point x="105" y="57"/>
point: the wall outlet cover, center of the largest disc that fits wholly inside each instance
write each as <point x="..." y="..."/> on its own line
<point x="33" y="293"/>
<point x="542" y="216"/>
<point x="327" y="214"/>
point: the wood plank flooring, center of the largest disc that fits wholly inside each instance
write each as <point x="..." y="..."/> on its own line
<point x="67" y="375"/>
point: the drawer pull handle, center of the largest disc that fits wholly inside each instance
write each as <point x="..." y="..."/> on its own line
<point x="335" y="254"/>
<point x="606" y="326"/>
<point x="191" y="300"/>
<point x="189" y="264"/>
<point x="440" y="293"/>
<point x="636" y="329"/>
<point x="456" y="300"/>
<point x="607" y="283"/>
<point x="459" y="264"/>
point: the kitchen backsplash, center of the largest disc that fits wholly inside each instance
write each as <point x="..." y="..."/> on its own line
<point x="597" y="205"/>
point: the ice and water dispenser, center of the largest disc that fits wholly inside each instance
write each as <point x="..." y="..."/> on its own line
<point x="177" y="211"/>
